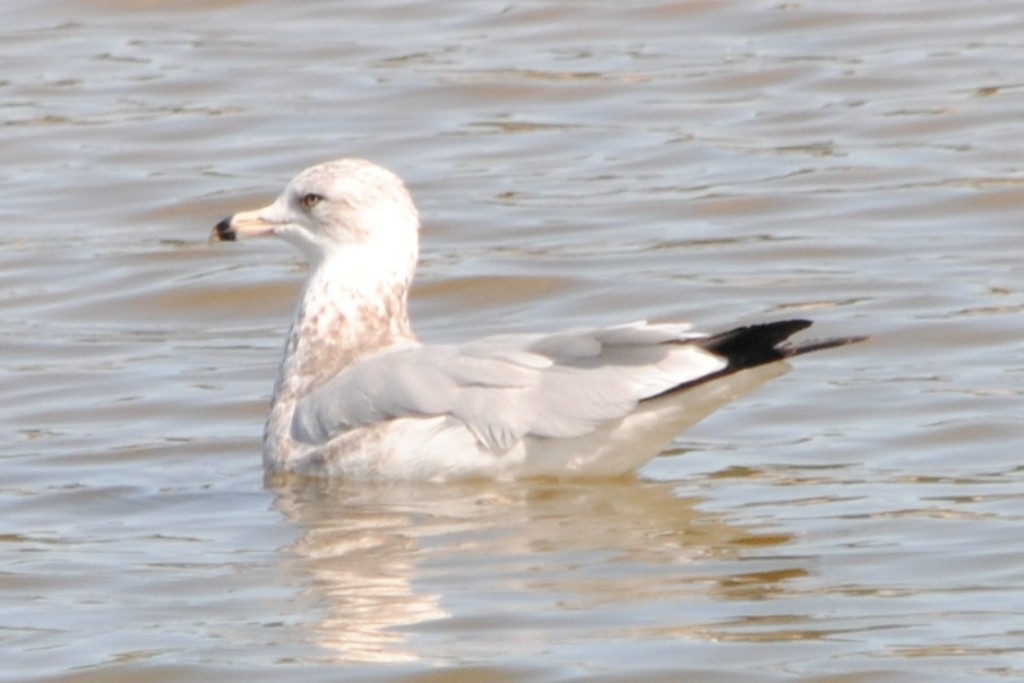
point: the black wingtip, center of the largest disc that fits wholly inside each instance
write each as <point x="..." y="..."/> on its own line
<point x="753" y="345"/>
<point x="822" y="344"/>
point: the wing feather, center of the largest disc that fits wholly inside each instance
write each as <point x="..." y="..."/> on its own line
<point x="506" y="387"/>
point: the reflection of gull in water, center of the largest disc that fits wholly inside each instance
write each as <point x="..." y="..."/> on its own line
<point x="359" y="397"/>
<point x="403" y="573"/>
<point x="363" y="570"/>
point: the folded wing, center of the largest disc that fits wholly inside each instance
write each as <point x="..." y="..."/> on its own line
<point x="505" y="388"/>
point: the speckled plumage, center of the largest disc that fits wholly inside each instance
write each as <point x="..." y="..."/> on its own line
<point x="358" y="397"/>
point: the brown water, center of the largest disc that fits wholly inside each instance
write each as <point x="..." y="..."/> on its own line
<point x="575" y="162"/>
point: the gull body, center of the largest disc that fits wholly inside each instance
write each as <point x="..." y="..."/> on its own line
<point x="359" y="397"/>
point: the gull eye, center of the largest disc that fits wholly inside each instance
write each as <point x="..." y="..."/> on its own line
<point x="311" y="199"/>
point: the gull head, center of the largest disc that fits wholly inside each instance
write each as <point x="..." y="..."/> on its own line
<point x="346" y="205"/>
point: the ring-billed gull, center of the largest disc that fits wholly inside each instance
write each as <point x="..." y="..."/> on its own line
<point x="359" y="397"/>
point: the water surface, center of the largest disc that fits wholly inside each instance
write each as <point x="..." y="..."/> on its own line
<point x="575" y="163"/>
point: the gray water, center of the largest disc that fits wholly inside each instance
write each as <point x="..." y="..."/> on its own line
<point x="575" y="163"/>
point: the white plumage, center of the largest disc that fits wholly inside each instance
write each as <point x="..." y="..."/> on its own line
<point x="359" y="397"/>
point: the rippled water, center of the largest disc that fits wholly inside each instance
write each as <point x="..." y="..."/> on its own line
<point x="575" y="162"/>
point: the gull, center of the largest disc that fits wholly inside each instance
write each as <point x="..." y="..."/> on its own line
<point x="358" y="397"/>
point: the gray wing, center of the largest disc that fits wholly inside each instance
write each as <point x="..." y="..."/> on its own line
<point x="507" y="387"/>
